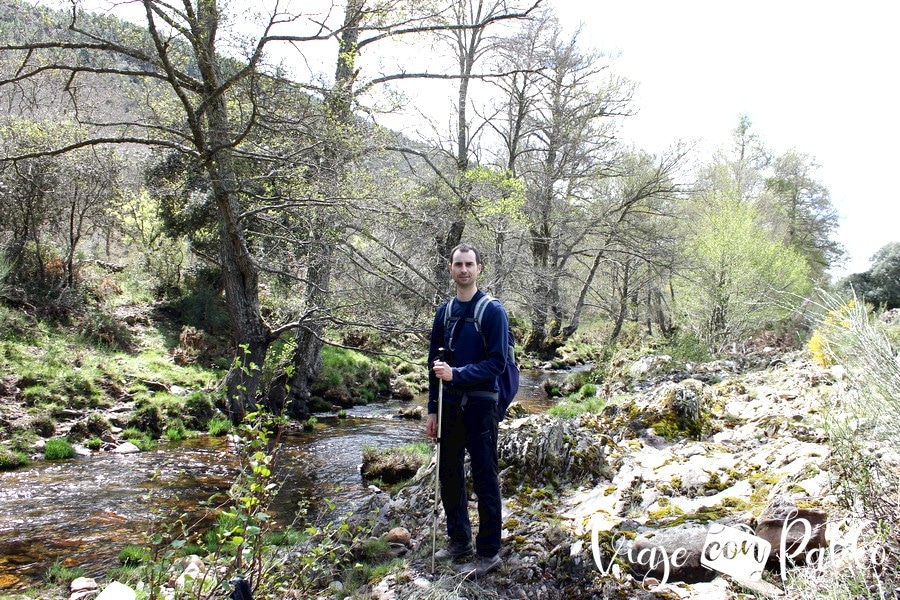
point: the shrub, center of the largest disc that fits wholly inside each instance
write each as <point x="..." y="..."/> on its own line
<point x="58" y="449"/>
<point x="588" y="390"/>
<point x="94" y="443"/>
<point x="147" y="418"/>
<point x="685" y="347"/>
<point x="99" y="328"/>
<point x="218" y="426"/>
<point x="862" y="424"/>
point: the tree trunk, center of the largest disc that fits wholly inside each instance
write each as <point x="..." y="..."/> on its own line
<point x="239" y="272"/>
<point x="336" y="158"/>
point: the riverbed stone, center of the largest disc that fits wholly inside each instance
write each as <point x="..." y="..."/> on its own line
<point x="117" y="591"/>
<point x="80" y="584"/>
<point x="126" y="448"/>
<point x="799" y="529"/>
<point x="671" y="554"/>
<point x="398" y="535"/>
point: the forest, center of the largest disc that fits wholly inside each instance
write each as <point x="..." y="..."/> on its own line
<point x="282" y="182"/>
<point x="210" y="154"/>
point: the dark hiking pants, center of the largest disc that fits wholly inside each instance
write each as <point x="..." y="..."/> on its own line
<point x="471" y="425"/>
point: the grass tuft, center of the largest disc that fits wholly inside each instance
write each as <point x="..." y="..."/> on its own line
<point x="58" y="449"/>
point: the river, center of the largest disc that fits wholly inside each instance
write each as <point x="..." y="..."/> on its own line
<point x="83" y="511"/>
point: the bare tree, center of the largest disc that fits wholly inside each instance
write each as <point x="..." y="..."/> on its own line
<point x="558" y="135"/>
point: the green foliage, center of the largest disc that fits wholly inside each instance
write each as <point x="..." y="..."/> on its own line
<point x="139" y="438"/>
<point x="10" y="459"/>
<point x="862" y="424"/>
<point x="148" y="418"/>
<point x="58" y="449"/>
<point x="176" y="431"/>
<point x="572" y="407"/>
<point x="218" y="426"/>
<point x="43" y="425"/>
<point x="880" y="285"/>
<point x="93" y="443"/>
<point x="362" y="378"/>
<point x="199" y="301"/>
<point x="133" y="555"/>
<point x="850" y="335"/>
<point x="103" y="330"/>
<point x="390" y="466"/>
<point x="742" y="280"/>
<point x="498" y="194"/>
<point x="198" y="410"/>
<point x="588" y="390"/>
<point x="310" y="424"/>
<point x="684" y="348"/>
<point x="61" y="575"/>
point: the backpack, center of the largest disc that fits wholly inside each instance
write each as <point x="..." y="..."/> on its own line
<point x="508" y="380"/>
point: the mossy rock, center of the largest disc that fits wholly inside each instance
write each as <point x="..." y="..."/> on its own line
<point x="198" y="410"/>
<point x="148" y="418"/>
<point x="43" y="425"/>
<point x="390" y="466"/>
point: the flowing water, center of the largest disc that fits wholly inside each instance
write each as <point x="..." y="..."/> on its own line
<point x="83" y="511"/>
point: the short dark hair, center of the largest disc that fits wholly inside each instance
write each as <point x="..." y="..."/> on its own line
<point x="466" y="248"/>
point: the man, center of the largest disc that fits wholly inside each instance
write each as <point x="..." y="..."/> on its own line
<point x="468" y="370"/>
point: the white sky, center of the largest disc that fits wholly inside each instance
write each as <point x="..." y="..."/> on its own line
<point x="822" y="77"/>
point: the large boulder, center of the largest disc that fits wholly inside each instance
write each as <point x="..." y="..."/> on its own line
<point x="682" y="408"/>
<point x="541" y="449"/>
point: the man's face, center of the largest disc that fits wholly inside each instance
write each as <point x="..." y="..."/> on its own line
<point x="464" y="268"/>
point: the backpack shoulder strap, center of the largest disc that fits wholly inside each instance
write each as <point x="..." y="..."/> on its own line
<point x="479" y="309"/>
<point x="448" y="311"/>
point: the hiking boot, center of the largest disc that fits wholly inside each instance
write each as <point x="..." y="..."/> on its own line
<point x="482" y="565"/>
<point x="453" y="551"/>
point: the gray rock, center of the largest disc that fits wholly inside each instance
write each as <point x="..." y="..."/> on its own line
<point x="671" y="555"/>
<point x="117" y="591"/>
<point x="126" y="448"/>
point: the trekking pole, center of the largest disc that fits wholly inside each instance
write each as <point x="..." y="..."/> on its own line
<point x="437" y="462"/>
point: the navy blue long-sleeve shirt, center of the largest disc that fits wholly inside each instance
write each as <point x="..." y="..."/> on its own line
<point x="477" y="358"/>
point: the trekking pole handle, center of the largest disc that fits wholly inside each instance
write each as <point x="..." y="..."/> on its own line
<point x="441" y="355"/>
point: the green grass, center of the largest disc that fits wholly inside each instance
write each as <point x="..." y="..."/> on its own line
<point x="355" y="371"/>
<point x="218" y="426"/>
<point x="59" y="574"/>
<point x="574" y="406"/>
<point x="10" y="459"/>
<point x="139" y="438"/>
<point x="133" y="555"/>
<point x="176" y="431"/>
<point x="58" y="449"/>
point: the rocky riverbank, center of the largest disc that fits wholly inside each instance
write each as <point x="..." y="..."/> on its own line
<point x="718" y="481"/>
<point x="622" y="504"/>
